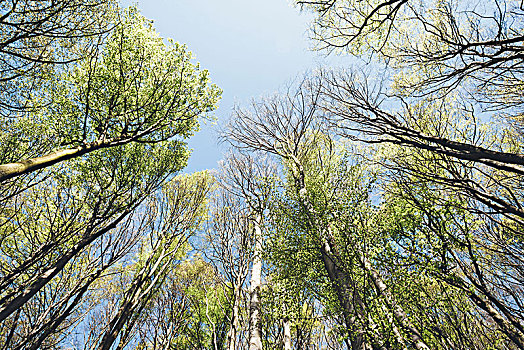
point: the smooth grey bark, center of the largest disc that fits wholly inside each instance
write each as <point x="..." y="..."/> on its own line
<point x="287" y="334"/>
<point x="255" y="325"/>
<point x="396" y="332"/>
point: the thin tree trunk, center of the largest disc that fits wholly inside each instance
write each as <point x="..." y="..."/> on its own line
<point x="399" y="314"/>
<point x="136" y="297"/>
<point x="255" y="325"/>
<point x="232" y="334"/>
<point x="39" y="282"/>
<point x="345" y="297"/>
<point x="484" y="303"/>
<point x="48" y="328"/>
<point x="504" y="325"/>
<point x="396" y="332"/>
<point x="287" y="334"/>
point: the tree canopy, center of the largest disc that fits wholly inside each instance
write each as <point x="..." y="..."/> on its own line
<point x="374" y="206"/>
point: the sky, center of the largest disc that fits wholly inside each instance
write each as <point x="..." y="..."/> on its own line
<point x="250" y="47"/>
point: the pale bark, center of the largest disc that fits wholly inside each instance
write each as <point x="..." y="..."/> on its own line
<point x="255" y="326"/>
<point x="233" y="329"/>
<point x="399" y="314"/>
<point x="396" y="332"/>
<point x="287" y="334"/>
<point x="8" y="171"/>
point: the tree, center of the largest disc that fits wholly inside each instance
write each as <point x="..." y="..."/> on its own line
<point x="228" y="246"/>
<point x="234" y="239"/>
<point x="445" y="42"/>
<point x="370" y="264"/>
<point x="111" y="99"/>
<point x="449" y="116"/>
<point x="178" y="214"/>
<point x="471" y="54"/>
<point x="119" y="119"/>
<point x="445" y="127"/>
<point x="289" y="127"/>
<point x="43" y="238"/>
<point x="249" y="177"/>
<point x="52" y="312"/>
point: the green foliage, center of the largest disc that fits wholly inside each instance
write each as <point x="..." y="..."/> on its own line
<point x="130" y="101"/>
<point x="135" y="87"/>
<point x="414" y="242"/>
<point x="206" y="321"/>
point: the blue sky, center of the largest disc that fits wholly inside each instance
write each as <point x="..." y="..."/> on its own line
<point x="250" y="47"/>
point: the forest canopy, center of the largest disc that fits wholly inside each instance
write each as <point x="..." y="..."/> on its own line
<point x="378" y="205"/>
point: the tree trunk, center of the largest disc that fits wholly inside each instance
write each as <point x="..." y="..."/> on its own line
<point x="345" y="297"/>
<point x="232" y="334"/>
<point x="396" y="332"/>
<point x="10" y="170"/>
<point x="255" y="325"/>
<point x="287" y="334"/>
<point x="399" y="314"/>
